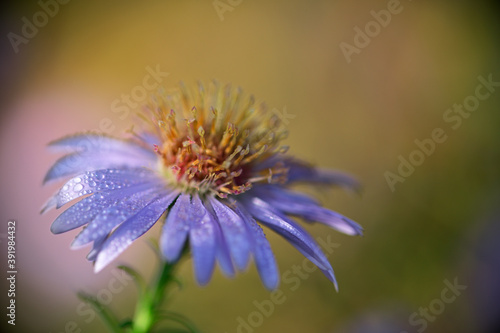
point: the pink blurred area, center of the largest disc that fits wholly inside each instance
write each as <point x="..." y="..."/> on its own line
<point x="48" y="269"/>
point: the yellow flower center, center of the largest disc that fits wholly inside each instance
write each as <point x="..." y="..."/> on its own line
<point x="214" y="140"/>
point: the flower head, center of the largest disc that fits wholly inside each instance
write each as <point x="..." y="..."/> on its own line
<point x="211" y="165"/>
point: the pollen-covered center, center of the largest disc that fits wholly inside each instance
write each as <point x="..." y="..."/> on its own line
<point x="215" y="141"/>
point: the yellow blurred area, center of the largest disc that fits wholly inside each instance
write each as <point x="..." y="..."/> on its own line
<point x="356" y="104"/>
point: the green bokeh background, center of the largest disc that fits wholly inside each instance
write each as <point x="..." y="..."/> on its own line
<point x="356" y="116"/>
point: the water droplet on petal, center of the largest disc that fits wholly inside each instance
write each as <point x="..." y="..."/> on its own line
<point x="78" y="187"/>
<point x="77" y="180"/>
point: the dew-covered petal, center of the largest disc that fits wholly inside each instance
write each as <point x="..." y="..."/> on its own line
<point x="301" y="205"/>
<point x="131" y="229"/>
<point x="87" y="152"/>
<point x="106" y="220"/>
<point x="96" y="247"/>
<point x="88" y="208"/>
<point x="202" y="241"/>
<point x="291" y="231"/>
<point x="176" y="227"/>
<point x="263" y="255"/>
<point x="79" y="162"/>
<point x="98" y="181"/>
<point x="234" y="232"/>
<point x="100" y="142"/>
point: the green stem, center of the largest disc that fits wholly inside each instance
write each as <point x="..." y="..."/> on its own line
<point x="149" y="304"/>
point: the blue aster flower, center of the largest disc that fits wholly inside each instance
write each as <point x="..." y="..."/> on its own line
<point x="209" y="165"/>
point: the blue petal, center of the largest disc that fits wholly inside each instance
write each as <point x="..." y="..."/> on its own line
<point x="202" y="237"/>
<point x="263" y="255"/>
<point x="87" y="209"/>
<point x="234" y="231"/>
<point x="149" y="138"/>
<point x="79" y="162"/>
<point x="99" y="142"/>
<point x="96" y="247"/>
<point x="221" y="248"/>
<point x="222" y="252"/>
<point x="297" y="236"/>
<point x="280" y="192"/>
<point x="113" y="215"/>
<point x="301" y="205"/>
<point x="88" y="152"/>
<point x="80" y="213"/>
<point x="330" y="218"/>
<point x="131" y="229"/>
<point x="98" y="181"/>
<point x="299" y="171"/>
<point x="176" y="227"/>
<point x="191" y="217"/>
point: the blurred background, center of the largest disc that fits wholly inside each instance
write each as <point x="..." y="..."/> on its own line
<point x="363" y="80"/>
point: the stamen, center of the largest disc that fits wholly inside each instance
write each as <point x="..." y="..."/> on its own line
<point x="243" y="153"/>
<point x="255" y="155"/>
<point x="228" y="133"/>
<point x="227" y="162"/>
<point x="283" y="149"/>
<point x="201" y="133"/>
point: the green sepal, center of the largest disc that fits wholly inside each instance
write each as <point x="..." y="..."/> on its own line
<point x="104" y="312"/>
<point x="178" y="318"/>
<point x="138" y="279"/>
